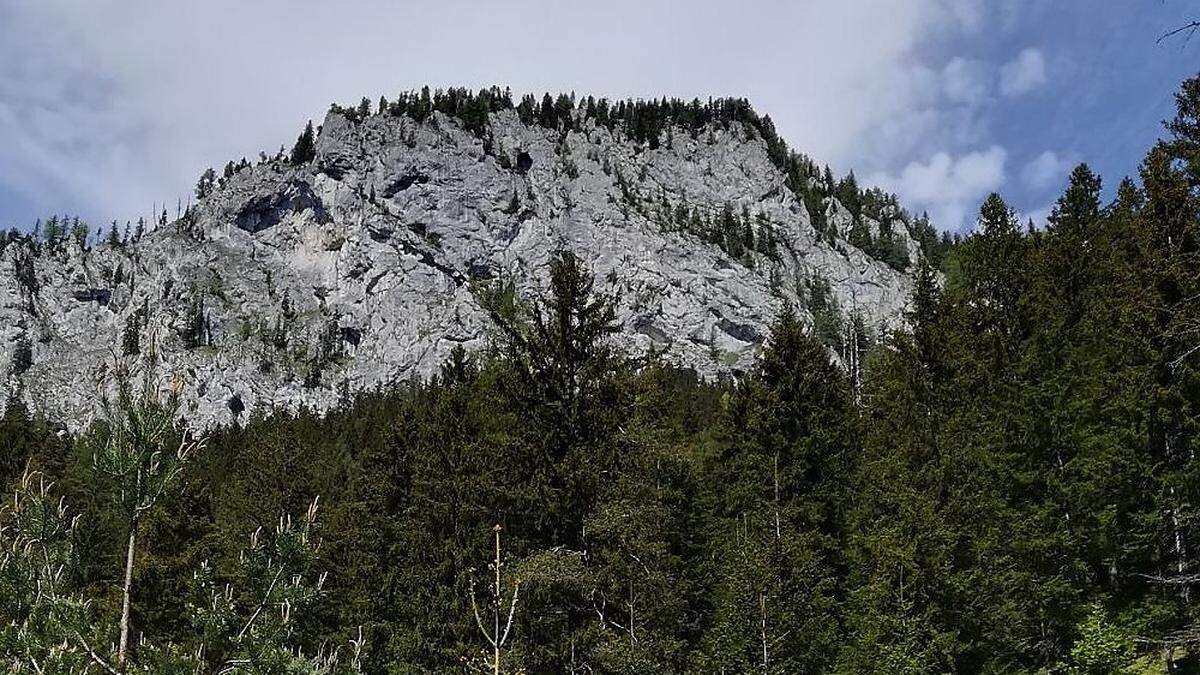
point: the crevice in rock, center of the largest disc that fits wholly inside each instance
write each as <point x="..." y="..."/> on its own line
<point x="350" y="335"/>
<point x="739" y="331"/>
<point x="380" y="234"/>
<point x="266" y="211"/>
<point x="524" y="162"/>
<point x="100" y="296"/>
<point x="403" y="183"/>
<point x="374" y="281"/>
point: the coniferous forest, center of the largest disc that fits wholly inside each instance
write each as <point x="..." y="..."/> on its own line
<point x="1009" y="484"/>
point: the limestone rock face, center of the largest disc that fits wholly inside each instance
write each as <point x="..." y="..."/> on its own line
<point x="294" y="286"/>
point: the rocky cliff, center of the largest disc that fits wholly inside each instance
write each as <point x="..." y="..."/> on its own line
<point x="293" y="283"/>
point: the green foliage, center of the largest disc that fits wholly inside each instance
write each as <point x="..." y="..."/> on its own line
<point x="251" y="629"/>
<point x="46" y="625"/>
<point x="139" y="449"/>
<point x="194" y="331"/>
<point x="827" y="317"/>
<point x="53" y="623"/>
<point x="304" y="151"/>
<point x="131" y="331"/>
<point x="79" y="233"/>
<point x="1104" y="646"/>
<point x="28" y="442"/>
<point x="778" y="530"/>
<point x="208" y="179"/>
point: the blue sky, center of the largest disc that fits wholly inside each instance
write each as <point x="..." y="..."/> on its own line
<point x="111" y="107"/>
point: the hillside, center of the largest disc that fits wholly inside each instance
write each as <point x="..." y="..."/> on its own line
<point x="359" y="260"/>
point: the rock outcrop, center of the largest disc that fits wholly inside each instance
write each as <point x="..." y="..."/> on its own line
<point x="292" y="286"/>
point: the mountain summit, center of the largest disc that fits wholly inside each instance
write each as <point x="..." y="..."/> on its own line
<point x="358" y="259"/>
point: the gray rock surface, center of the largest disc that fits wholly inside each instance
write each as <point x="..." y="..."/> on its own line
<point x="291" y="286"/>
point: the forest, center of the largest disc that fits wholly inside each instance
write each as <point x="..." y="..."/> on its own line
<point x="1009" y="484"/>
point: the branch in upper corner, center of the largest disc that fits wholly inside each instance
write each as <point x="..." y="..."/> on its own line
<point x="1189" y="28"/>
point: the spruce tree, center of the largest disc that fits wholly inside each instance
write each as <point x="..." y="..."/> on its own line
<point x="784" y="466"/>
<point x="206" y="184"/>
<point x="305" y="149"/>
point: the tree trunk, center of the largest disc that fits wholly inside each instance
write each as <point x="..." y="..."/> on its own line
<point x="762" y="608"/>
<point x="125" y="595"/>
<point x="1180" y="547"/>
<point x="778" y="531"/>
<point x="496" y="633"/>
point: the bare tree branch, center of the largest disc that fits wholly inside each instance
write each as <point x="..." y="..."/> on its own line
<point x="512" y="609"/>
<point x="478" y="618"/>
<point x="96" y="657"/>
<point x="1190" y="28"/>
<point x="262" y="604"/>
<point x="1182" y="580"/>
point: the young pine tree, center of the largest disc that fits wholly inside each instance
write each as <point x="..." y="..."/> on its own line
<point x="305" y="149"/>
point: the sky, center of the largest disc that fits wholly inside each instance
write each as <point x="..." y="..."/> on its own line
<point x="111" y="108"/>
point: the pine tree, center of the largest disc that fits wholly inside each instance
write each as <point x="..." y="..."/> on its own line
<point x="305" y="149"/>
<point x="783" y="468"/>
<point x="924" y="315"/>
<point x="53" y="232"/>
<point x="991" y="266"/>
<point x="848" y="193"/>
<point x="860" y="237"/>
<point x="206" y="184"/>
<point x="546" y="114"/>
<point x="79" y="232"/>
<point x="143" y="453"/>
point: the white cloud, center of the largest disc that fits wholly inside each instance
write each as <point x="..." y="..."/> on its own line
<point x="948" y="187"/>
<point x="969" y="13"/>
<point x="1024" y="73"/>
<point x="965" y="81"/>
<point x="1039" y="216"/>
<point x="1044" y="170"/>
<point x="113" y="104"/>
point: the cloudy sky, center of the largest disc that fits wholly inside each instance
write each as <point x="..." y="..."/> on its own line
<point x="108" y="107"/>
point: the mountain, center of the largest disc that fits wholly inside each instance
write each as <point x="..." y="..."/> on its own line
<point x="358" y="261"/>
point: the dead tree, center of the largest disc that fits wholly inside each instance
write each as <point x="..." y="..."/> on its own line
<point x="496" y="638"/>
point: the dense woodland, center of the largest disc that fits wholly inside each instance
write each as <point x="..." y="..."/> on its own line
<point x="1009" y="485"/>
